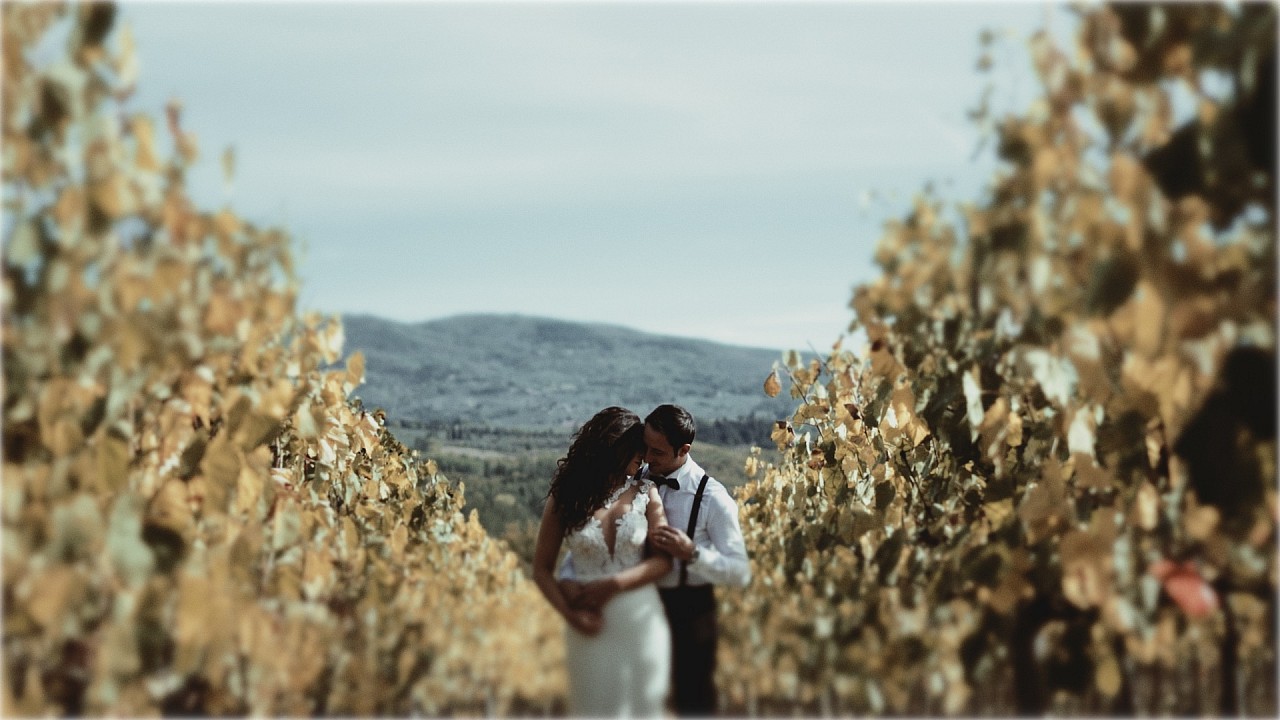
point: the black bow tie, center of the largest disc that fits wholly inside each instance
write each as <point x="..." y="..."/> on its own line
<point x="668" y="481"/>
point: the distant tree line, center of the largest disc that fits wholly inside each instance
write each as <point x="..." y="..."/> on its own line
<point x="424" y="436"/>
<point x="750" y="429"/>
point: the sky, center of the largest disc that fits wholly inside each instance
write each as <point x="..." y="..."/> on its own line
<point x="719" y="170"/>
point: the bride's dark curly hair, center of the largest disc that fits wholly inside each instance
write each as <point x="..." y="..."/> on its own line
<point x="597" y="461"/>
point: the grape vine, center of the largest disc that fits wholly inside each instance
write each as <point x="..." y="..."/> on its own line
<point x="1048" y="485"/>
<point x="197" y="519"/>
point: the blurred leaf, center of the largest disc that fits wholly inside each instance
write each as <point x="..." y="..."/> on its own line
<point x="1183" y="583"/>
<point x="1044" y="510"/>
<point x="771" y="385"/>
<point x="229" y="164"/>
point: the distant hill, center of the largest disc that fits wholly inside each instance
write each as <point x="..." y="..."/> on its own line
<point x="528" y="372"/>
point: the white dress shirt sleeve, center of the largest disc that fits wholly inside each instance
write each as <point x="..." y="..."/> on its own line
<point x="566" y="568"/>
<point x="724" y="561"/>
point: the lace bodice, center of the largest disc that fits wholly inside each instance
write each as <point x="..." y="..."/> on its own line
<point x="591" y="556"/>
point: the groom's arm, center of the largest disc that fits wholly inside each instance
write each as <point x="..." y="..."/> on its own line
<point x="566" y="568"/>
<point x="724" y="562"/>
<point x="568" y="581"/>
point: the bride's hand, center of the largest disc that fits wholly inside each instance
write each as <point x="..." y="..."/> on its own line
<point x="587" y="622"/>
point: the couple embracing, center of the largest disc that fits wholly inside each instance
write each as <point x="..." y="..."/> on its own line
<point x="649" y="534"/>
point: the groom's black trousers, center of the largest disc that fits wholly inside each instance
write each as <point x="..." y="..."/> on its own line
<point x="691" y="612"/>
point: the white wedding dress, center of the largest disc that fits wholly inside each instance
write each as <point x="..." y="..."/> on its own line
<point x="624" y="671"/>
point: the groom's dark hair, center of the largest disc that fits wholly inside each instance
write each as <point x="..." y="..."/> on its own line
<point x="674" y="422"/>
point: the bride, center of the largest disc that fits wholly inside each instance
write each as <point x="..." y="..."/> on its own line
<point x="617" y="644"/>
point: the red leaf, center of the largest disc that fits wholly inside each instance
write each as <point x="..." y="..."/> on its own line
<point x="1184" y="585"/>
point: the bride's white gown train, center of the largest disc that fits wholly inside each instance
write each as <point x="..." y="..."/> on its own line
<point x="625" y="670"/>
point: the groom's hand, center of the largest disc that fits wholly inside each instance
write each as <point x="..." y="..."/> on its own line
<point x="572" y="592"/>
<point x="672" y="541"/>
<point x="597" y="593"/>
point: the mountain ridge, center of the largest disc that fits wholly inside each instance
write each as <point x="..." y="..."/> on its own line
<point x="513" y="370"/>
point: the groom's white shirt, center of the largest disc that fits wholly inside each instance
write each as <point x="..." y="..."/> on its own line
<point x="722" y="554"/>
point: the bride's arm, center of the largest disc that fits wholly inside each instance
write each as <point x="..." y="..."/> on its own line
<point x="550" y="536"/>
<point x="651" y="569"/>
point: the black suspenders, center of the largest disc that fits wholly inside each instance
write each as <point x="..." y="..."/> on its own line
<point x="693" y="524"/>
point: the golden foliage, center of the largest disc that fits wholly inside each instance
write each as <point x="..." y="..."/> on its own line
<point x="196" y="519"/>
<point x="1048" y="484"/>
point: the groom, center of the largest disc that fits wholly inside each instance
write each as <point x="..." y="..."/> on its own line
<point x="705" y="540"/>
